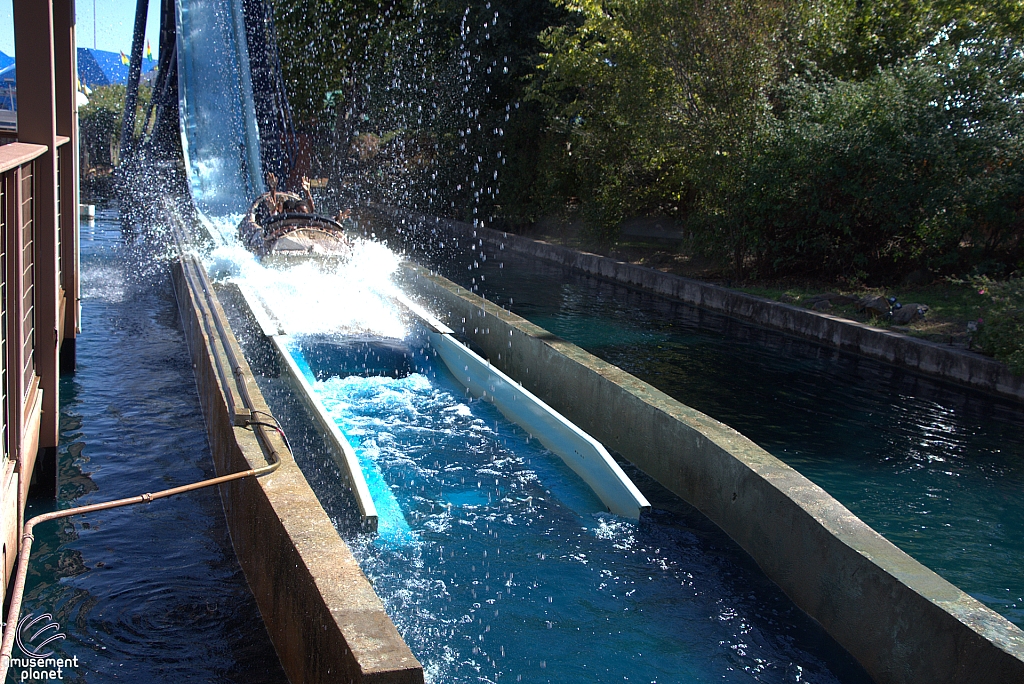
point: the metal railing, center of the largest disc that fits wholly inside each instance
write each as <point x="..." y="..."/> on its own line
<point x="4" y="432"/>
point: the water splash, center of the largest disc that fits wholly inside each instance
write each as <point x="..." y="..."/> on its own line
<point x="316" y="297"/>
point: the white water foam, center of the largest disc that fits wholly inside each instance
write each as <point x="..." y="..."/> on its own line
<point x="310" y="297"/>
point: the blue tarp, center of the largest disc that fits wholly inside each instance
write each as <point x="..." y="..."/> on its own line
<point x="101" y="68"/>
<point x="95" y="68"/>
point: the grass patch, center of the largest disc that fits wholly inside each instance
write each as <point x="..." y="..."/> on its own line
<point x="951" y="306"/>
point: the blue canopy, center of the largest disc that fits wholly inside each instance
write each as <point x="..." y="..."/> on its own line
<point x="95" y="68"/>
<point x="102" y="68"/>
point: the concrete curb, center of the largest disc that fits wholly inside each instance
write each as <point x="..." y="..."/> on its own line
<point x="900" y="620"/>
<point x="323" y="617"/>
<point x="956" y="365"/>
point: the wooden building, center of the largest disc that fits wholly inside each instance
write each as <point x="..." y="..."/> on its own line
<point x="39" y="288"/>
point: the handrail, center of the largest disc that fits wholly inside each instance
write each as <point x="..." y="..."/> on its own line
<point x="15" y="154"/>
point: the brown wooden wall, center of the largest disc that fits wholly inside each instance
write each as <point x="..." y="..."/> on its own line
<point x="39" y="286"/>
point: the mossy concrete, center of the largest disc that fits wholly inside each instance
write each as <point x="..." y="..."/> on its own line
<point x="900" y="620"/>
<point x="321" y="612"/>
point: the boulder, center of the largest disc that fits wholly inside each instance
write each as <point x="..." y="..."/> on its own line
<point x="832" y="298"/>
<point x="814" y="299"/>
<point x="822" y="305"/>
<point x="909" y="313"/>
<point x="874" y="305"/>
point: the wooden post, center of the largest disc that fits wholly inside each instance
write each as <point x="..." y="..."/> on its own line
<point x="66" y="91"/>
<point x="37" y="123"/>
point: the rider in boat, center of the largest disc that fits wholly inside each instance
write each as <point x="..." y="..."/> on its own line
<point x="277" y="205"/>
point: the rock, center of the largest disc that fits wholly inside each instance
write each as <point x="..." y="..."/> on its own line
<point x="908" y="313"/>
<point x="831" y="297"/>
<point x="822" y="305"/>
<point x="840" y="300"/>
<point x="874" y="305"/>
<point x="787" y="299"/>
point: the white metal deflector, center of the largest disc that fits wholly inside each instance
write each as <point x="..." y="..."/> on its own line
<point x="348" y="460"/>
<point x="581" y="452"/>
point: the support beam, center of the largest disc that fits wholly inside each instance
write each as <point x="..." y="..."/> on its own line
<point x="37" y="123"/>
<point x="131" y="92"/>
<point x="65" y="91"/>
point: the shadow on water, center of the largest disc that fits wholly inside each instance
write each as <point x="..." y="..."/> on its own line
<point x="148" y="593"/>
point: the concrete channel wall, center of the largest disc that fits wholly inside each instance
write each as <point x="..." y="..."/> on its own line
<point x="900" y="620"/>
<point x="322" y="615"/>
<point x="949" y="363"/>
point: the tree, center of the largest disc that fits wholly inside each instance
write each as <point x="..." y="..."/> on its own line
<point x="100" y="123"/>
<point x="658" y="102"/>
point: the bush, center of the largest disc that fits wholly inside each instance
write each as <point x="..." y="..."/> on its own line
<point x="1002" y="331"/>
<point x="921" y="165"/>
<point x="100" y="124"/>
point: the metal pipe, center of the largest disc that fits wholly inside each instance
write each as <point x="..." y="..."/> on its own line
<point x="14" y="612"/>
<point x="238" y="399"/>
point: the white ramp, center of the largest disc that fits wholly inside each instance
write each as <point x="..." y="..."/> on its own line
<point x="581" y="452"/>
<point x="348" y="460"/>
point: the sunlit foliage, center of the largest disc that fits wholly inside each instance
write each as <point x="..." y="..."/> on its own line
<point x="847" y="139"/>
<point x="100" y="123"/>
<point x="1001" y="333"/>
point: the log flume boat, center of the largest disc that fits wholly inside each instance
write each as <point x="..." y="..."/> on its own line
<point x="279" y="223"/>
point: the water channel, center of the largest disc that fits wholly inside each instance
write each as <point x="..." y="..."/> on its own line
<point x="936" y="468"/>
<point x="507" y="570"/>
<point x="505" y="574"/>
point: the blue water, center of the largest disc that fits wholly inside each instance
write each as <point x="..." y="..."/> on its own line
<point x="936" y="468"/>
<point x="149" y="593"/>
<point x="512" y="576"/>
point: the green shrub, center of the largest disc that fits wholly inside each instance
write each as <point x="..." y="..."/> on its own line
<point x="1001" y="333"/>
<point x="100" y="123"/>
<point x="920" y="165"/>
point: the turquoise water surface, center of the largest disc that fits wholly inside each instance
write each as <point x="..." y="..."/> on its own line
<point x="511" y="572"/>
<point x="936" y="468"/>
